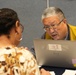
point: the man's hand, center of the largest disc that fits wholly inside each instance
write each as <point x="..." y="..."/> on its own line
<point x="44" y="72"/>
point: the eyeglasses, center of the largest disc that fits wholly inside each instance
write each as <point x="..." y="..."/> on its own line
<point x="22" y="27"/>
<point x="54" y="26"/>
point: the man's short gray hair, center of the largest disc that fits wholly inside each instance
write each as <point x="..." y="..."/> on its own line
<point x="50" y="11"/>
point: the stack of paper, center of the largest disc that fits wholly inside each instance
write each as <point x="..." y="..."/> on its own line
<point x="69" y="72"/>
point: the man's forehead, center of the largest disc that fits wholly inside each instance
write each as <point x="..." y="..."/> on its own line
<point x="50" y="19"/>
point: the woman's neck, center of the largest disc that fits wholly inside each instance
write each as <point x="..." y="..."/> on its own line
<point x="4" y="41"/>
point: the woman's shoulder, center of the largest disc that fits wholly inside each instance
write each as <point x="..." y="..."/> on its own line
<point x="23" y="51"/>
<point x="16" y="51"/>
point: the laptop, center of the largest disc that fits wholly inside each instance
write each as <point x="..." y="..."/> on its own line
<point x="56" y="53"/>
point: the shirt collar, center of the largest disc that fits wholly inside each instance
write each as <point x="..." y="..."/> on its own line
<point x="68" y="34"/>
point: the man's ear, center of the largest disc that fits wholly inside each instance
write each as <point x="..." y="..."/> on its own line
<point x="16" y="26"/>
<point x="65" y="21"/>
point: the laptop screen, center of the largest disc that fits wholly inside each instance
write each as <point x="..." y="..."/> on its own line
<point x="58" y="53"/>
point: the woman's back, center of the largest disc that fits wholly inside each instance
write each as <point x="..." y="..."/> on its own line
<point x="17" y="61"/>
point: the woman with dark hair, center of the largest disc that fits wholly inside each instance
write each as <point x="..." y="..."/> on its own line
<point x="15" y="60"/>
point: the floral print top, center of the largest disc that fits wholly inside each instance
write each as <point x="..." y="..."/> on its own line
<point x="17" y="61"/>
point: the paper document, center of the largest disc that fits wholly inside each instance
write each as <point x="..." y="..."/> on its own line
<point x="69" y="72"/>
<point x="52" y="72"/>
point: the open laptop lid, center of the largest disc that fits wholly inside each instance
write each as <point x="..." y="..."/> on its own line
<point x="57" y="53"/>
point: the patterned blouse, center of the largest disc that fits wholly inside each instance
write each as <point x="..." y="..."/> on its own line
<point x="17" y="61"/>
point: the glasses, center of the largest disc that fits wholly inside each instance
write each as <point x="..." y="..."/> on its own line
<point x="22" y="27"/>
<point x="54" y="26"/>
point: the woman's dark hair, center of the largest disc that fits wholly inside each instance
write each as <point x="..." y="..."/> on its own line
<point x="8" y="18"/>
